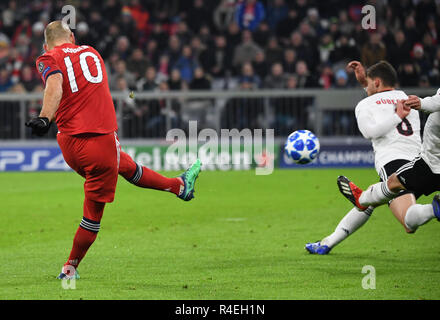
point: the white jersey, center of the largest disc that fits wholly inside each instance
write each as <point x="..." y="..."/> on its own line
<point x="431" y="135"/>
<point x="392" y="138"/>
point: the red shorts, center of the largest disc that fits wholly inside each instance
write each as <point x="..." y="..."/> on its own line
<point x="96" y="158"/>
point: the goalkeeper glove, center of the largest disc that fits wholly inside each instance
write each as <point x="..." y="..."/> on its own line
<point x="40" y="126"/>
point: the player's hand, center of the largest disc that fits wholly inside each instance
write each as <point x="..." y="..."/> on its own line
<point x="40" y="126"/>
<point x="402" y="110"/>
<point x="413" y="102"/>
<point x="359" y="72"/>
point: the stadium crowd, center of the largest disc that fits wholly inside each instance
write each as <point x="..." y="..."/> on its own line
<point x="195" y="44"/>
<point x="228" y="44"/>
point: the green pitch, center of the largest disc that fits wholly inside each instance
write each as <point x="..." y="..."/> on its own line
<point x="242" y="237"/>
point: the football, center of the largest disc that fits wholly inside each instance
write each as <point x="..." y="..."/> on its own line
<point x="302" y="146"/>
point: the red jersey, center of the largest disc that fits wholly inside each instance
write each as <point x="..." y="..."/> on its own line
<point x="86" y="104"/>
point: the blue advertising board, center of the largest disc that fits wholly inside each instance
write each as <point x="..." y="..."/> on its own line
<point x="50" y="158"/>
<point x="32" y="159"/>
<point x="335" y="156"/>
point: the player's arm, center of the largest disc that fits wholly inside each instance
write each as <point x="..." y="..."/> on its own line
<point x="51" y="101"/>
<point x="52" y="77"/>
<point x="52" y="96"/>
<point x="372" y="129"/>
<point x="428" y="104"/>
<point x="359" y="72"/>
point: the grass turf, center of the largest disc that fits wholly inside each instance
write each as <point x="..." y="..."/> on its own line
<point x="242" y="237"/>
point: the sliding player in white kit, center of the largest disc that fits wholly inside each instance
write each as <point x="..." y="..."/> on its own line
<point x="395" y="136"/>
<point x="421" y="175"/>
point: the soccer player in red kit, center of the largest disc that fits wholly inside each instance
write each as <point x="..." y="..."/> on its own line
<point x="77" y="98"/>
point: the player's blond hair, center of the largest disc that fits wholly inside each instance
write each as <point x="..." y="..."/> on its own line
<point x="56" y="30"/>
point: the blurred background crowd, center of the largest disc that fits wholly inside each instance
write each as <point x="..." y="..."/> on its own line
<point x="203" y="44"/>
<point x="151" y="45"/>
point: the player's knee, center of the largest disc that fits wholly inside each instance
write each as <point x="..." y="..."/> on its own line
<point x="136" y="176"/>
<point x="90" y="225"/>
<point x="394" y="184"/>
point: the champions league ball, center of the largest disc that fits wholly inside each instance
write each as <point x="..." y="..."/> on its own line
<point x="302" y="146"/>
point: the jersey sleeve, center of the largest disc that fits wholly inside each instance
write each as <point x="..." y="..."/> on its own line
<point x="370" y="128"/>
<point x="431" y="104"/>
<point x="47" y="66"/>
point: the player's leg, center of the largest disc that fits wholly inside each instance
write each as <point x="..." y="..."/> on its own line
<point x="375" y="195"/>
<point x="399" y="207"/>
<point x="143" y="177"/>
<point x="96" y="157"/>
<point x="419" y="214"/>
<point x="351" y="222"/>
<point x="419" y="177"/>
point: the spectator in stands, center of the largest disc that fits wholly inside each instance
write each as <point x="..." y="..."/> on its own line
<point x="398" y="51"/>
<point x="233" y="35"/>
<point x="175" y="81"/>
<point x="139" y="15"/>
<point x="198" y="15"/>
<point x="434" y="74"/>
<point x="373" y="51"/>
<point x="82" y="35"/>
<point x="345" y="25"/>
<point x="186" y="64"/>
<point x="137" y="64"/>
<point x="344" y="51"/>
<point x="287" y="25"/>
<point x="122" y="72"/>
<point x="248" y="80"/>
<point x="200" y="81"/>
<point x="174" y="49"/>
<point x="326" y="79"/>
<point x="408" y="74"/>
<point x="127" y="25"/>
<point x="152" y="52"/>
<point x="159" y="35"/>
<point x="289" y="61"/>
<point x="262" y="34"/>
<point x="326" y="47"/>
<point x="301" y="50"/>
<point x="305" y="78"/>
<point x="37" y="38"/>
<point x="106" y="43"/>
<point x="5" y="80"/>
<point x="246" y="51"/>
<point x="260" y="65"/>
<point x="123" y="49"/>
<point x="197" y="48"/>
<point x="276" y="79"/>
<point x="216" y="60"/>
<point x="249" y="14"/>
<point x="205" y="35"/>
<point x="341" y="78"/>
<point x="149" y="81"/>
<point x="277" y="11"/>
<point x="420" y="59"/>
<point x="410" y="30"/>
<point x="27" y="78"/>
<point x="163" y="69"/>
<point x="183" y="33"/>
<point x="274" y="53"/>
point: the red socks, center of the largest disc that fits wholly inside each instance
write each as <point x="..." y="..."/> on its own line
<point x="146" y="178"/>
<point x="153" y="180"/>
<point x="87" y="231"/>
